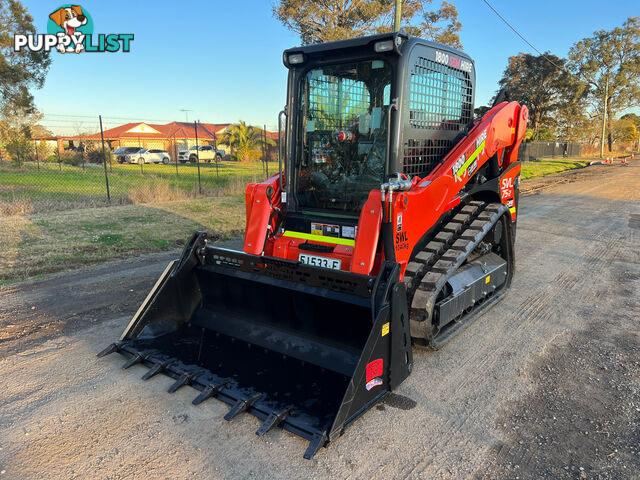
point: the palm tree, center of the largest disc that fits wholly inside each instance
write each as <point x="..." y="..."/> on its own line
<point x="245" y="140"/>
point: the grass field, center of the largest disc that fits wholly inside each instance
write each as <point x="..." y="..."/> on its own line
<point x="40" y="242"/>
<point x="547" y="166"/>
<point x="29" y="190"/>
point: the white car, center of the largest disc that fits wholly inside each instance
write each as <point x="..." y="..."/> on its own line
<point x="148" y="155"/>
<point x="206" y="153"/>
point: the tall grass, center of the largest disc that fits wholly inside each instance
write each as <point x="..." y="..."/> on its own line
<point x="29" y="189"/>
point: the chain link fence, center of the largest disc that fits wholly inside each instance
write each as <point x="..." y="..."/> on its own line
<point x="43" y="179"/>
<point x="534" y="150"/>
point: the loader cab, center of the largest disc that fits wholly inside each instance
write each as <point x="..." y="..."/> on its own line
<point x="362" y="109"/>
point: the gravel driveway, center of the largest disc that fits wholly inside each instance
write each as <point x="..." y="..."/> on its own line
<point x="545" y="385"/>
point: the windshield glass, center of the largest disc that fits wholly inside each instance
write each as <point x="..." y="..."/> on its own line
<point x="343" y="134"/>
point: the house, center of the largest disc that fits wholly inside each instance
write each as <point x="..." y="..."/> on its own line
<point x="172" y="136"/>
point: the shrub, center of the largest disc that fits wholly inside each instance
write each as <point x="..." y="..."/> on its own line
<point x="95" y="156"/>
<point x="72" y="158"/>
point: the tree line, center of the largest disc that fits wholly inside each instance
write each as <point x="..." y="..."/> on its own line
<point x="581" y="97"/>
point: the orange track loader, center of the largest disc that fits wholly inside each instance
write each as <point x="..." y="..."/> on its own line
<point x="391" y="223"/>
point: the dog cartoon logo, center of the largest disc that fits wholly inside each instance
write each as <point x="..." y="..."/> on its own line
<point x="70" y="30"/>
<point x="70" y="20"/>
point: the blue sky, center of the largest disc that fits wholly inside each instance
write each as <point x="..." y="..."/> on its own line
<point x="224" y="60"/>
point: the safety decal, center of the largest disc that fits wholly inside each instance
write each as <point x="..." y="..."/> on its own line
<point x="349" y="231"/>
<point x="487" y="279"/>
<point x="325" y="230"/>
<point x="385" y="329"/>
<point x="373" y="383"/>
<point x="374" y="369"/>
<point x="399" y="223"/>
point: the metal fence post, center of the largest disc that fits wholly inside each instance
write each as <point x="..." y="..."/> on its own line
<point x="195" y="125"/>
<point x="266" y="151"/>
<point x="215" y="155"/>
<point x="104" y="161"/>
<point x="141" y="163"/>
<point x="37" y="157"/>
<point x="175" y="150"/>
<point x="59" y="159"/>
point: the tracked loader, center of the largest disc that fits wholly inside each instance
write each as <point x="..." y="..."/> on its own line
<point x="391" y="223"/>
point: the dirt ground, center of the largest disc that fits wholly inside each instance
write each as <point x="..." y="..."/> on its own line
<point x="545" y="385"/>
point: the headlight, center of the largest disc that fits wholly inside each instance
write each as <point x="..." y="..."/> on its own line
<point x="385" y="46"/>
<point x="296" y="58"/>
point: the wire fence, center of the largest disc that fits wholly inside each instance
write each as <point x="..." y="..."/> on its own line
<point x="56" y="173"/>
<point x="534" y="150"/>
<point x="38" y="186"/>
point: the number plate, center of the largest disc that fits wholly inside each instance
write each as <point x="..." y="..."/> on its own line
<point x="317" y="261"/>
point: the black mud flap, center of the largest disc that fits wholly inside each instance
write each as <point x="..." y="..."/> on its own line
<point x="301" y="348"/>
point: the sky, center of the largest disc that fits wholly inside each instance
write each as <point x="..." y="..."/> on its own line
<point x="223" y="60"/>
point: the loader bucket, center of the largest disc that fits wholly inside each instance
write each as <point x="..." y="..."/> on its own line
<point x="299" y="347"/>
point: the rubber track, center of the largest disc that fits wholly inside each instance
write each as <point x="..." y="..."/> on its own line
<point x="430" y="269"/>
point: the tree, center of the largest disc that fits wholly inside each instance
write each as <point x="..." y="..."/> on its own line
<point x="19" y="71"/>
<point x="17" y="131"/>
<point x="541" y="83"/>
<point x="624" y="130"/>
<point x="245" y="140"/>
<point x="328" y="20"/>
<point x="633" y="117"/>
<point x="481" y="111"/>
<point x="609" y="64"/>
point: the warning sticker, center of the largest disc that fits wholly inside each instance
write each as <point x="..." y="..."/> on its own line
<point x="385" y="329"/>
<point x="374" y="369"/>
<point x="325" y="230"/>
<point x="348" y="231"/>
<point x="373" y="383"/>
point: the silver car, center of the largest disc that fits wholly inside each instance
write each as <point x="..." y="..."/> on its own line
<point x="149" y="155"/>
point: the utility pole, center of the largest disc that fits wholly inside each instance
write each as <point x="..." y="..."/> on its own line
<point x="398" y="11"/>
<point x="604" y="117"/>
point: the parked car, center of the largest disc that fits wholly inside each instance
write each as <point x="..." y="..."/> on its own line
<point x="206" y="153"/>
<point x="121" y="153"/>
<point x="148" y="155"/>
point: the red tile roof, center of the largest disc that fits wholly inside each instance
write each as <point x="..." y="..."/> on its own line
<point x="178" y="129"/>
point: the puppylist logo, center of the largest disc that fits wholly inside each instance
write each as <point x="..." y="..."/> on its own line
<point x="70" y="30"/>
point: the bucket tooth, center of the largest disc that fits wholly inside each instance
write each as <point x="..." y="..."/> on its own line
<point x="137" y="358"/>
<point x="209" y="391"/>
<point x="157" y="368"/>
<point x="318" y="440"/>
<point x="185" y="379"/>
<point x="242" y="405"/>
<point x="272" y="421"/>
<point x="114" y="347"/>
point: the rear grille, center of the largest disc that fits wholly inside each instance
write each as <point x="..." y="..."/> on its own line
<point x="441" y="97"/>
<point x="422" y="156"/>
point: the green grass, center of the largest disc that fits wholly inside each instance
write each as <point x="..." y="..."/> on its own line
<point x="42" y="241"/>
<point x="70" y="187"/>
<point x="47" y="242"/>
<point x="547" y="166"/>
